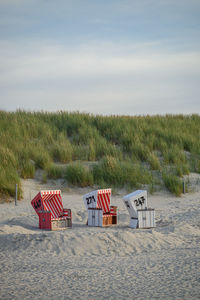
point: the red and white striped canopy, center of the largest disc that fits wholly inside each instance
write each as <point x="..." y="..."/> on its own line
<point x="50" y="200"/>
<point x="103" y="200"/>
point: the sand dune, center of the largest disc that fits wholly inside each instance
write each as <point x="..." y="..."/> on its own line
<point x="88" y="263"/>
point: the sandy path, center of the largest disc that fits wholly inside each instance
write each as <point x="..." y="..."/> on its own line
<point x="88" y="263"/>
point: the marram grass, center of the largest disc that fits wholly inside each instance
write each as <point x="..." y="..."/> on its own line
<point x="128" y="151"/>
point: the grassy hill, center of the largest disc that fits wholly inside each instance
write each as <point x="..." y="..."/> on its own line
<point x="124" y="151"/>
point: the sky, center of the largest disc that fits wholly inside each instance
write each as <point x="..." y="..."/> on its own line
<point x="122" y="57"/>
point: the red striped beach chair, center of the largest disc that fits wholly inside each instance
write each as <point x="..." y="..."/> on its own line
<point x="49" y="208"/>
<point x="100" y="211"/>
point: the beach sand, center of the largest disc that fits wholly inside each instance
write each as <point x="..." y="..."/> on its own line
<point x="100" y="263"/>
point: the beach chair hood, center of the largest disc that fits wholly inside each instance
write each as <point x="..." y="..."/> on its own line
<point x="48" y="201"/>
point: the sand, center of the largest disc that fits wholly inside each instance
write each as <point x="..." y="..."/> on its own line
<point x="101" y="263"/>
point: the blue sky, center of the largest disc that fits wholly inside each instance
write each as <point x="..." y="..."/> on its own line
<point x="125" y="57"/>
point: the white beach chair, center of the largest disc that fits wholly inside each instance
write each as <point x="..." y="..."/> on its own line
<point x="140" y="215"/>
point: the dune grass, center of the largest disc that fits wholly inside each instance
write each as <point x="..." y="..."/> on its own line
<point x="78" y="175"/>
<point x="128" y="151"/>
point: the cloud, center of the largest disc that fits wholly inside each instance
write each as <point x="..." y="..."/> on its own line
<point x="55" y="62"/>
<point x="118" y="56"/>
<point x="54" y="77"/>
<point x="118" y="20"/>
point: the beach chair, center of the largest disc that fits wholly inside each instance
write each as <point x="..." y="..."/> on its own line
<point x="140" y="215"/>
<point x="49" y="207"/>
<point x="100" y="211"/>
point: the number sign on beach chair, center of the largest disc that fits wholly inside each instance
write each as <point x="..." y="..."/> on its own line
<point x="49" y="208"/>
<point x="100" y="212"/>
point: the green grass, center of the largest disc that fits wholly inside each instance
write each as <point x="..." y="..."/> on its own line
<point x="120" y="173"/>
<point x="173" y="184"/>
<point x="153" y="161"/>
<point x="127" y="151"/>
<point x="78" y="175"/>
<point x="55" y="172"/>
